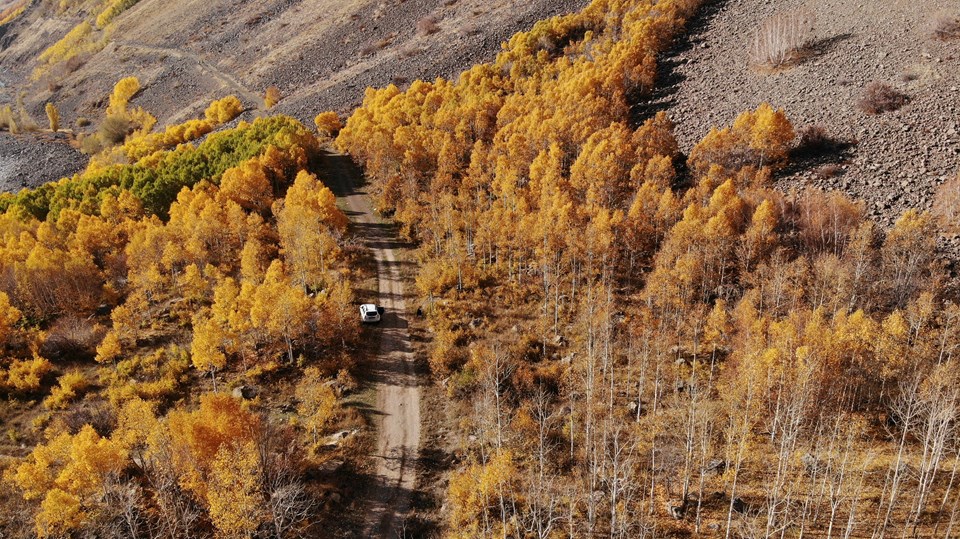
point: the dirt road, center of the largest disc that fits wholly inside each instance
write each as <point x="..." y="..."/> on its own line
<point x="228" y="81"/>
<point x="397" y="411"/>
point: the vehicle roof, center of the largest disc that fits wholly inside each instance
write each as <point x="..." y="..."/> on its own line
<point x="368" y="306"/>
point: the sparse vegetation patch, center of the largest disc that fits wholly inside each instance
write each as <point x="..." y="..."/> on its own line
<point x="879" y="97"/>
<point x="428" y="25"/>
<point x="947" y="26"/>
<point x="779" y="41"/>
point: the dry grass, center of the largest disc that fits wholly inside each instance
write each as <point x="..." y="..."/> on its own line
<point x="947" y="26"/>
<point x="815" y="140"/>
<point x="271" y="97"/>
<point x="371" y="48"/>
<point x="946" y="205"/>
<point x="879" y="97"/>
<point x="409" y="51"/>
<point x="830" y="170"/>
<point x="114" y="129"/>
<point x="71" y="337"/>
<point x="780" y="39"/>
<point x="428" y="25"/>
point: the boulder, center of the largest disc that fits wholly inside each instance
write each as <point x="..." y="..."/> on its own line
<point x="244" y="392"/>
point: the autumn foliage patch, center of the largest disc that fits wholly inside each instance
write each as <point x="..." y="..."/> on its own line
<point x="633" y="339"/>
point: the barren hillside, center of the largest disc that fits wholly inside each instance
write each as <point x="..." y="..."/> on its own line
<point x="321" y="54"/>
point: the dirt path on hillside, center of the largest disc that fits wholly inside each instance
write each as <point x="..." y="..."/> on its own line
<point x="225" y="79"/>
<point x="397" y="410"/>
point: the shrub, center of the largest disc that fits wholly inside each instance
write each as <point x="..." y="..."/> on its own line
<point x="90" y="144"/>
<point x="428" y="25"/>
<point x="7" y="121"/>
<point x="780" y="38"/>
<point x="947" y="27"/>
<point x="271" y="97"/>
<point x="101" y="416"/>
<point x="74" y="63"/>
<point x="115" y="129"/>
<point x="72" y="386"/>
<point x="71" y="337"/>
<point x="814" y="141"/>
<point x="879" y="97"/>
<point x="830" y="170"/>
<point x="25" y="376"/>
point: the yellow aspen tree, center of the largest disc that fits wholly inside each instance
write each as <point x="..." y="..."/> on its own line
<point x="248" y="186"/>
<point x="92" y="459"/>
<point x="223" y="110"/>
<point x="60" y="514"/>
<point x="53" y="115"/>
<point x="655" y="138"/>
<point x="196" y="437"/>
<point x="123" y="91"/>
<point x="69" y="473"/>
<point x="770" y="133"/>
<point x="328" y="123"/>
<point x="907" y="253"/>
<point x="233" y="495"/>
<point x="136" y="421"/>
<point x="253" y="261"/>
<point x="760" y="237"/>
<point x="9" y="316"/>
<point x="317" y="402"/>
<point x="206" y="350"/>
<point x="280" y="309"/>
<point x="306" y="221"/>
<point x="194" y="288"/>
<point x="602" y="170"/>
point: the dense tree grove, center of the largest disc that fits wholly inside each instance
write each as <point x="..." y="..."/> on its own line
<point x="643" y="343"/>
<point x="135" y="296"/>
<point x="635" y="341"/>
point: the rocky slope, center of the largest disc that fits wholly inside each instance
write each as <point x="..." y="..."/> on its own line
<point x="321" y="54"/>
<point x="900" y="157"/>
<point x="29" y="160"/>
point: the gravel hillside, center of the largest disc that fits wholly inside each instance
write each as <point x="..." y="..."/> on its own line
<point x="29" y="160"/>
<point x="321" y="54"/>
<point x="900" y="157"/>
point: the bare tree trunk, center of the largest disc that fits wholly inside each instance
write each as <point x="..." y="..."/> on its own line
<point x="949" y="489"/>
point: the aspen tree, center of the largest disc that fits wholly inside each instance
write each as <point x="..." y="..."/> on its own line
<point x="9" y="316"/>
<point x="53" y="115"/>
<point x="234" y="491"/>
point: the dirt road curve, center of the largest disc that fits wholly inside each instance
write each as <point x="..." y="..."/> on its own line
<point x="227" y="80"/>
<point x="397" y="413"/>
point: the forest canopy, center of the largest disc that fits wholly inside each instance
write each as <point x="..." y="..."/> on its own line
<point x="640" y="341"/>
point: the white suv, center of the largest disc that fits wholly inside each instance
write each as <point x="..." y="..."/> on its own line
<point x="369" y="313"/>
